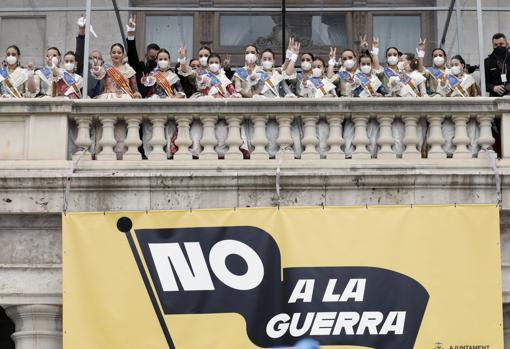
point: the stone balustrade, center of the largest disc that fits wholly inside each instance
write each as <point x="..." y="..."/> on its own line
<point x="328" y="129"/>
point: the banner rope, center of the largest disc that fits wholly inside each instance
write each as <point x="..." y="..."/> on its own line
<point x="69" y="177"/>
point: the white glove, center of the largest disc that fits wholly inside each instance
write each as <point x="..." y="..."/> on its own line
<point x="81" y="22"/>
<point x="420" y="53"/>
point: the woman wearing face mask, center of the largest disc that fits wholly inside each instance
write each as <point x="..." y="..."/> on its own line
<point x="299" y="80"/>
<point x="270" y="81"/>
<point x="390" y="75"/>
<point x="318" y="85"/>
<point x="214" y="83"/>
<point x="245" y="78"/>
<point x="16" y="82"/>
<point x="162" y="82"/>
<point x="412" y="82"/>
<point x="119" y="78"/>
<point x="47" y="77"/>
<point x="437" y="73"/>
<point x="188" y="71"/>
<point x="458" y="83"/>
<point x="367" y="82"/>
<point x="344" y="79"/>
<point x="69" y="83"/>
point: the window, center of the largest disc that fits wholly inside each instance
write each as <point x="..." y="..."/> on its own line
<point x="245" y="30"/>
<point x="170" y="32"/>
<point x="314" y="31"/>
<point x="31" y="39"/>
<point x="402" y="32"/>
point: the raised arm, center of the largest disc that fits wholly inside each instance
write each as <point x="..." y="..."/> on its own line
<point x="291" y="66"/>
<point x="375" y="53"/>
<point x="132" y="52"/>
<point x="420" y="51"/>
<point x="331" y="62"/>
<point x="80" y="46"/>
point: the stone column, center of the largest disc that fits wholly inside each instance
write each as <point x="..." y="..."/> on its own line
<point x="505" y="135"/>
<point x="259" y="138"/>
<point x="411" y="137"/>
<point x="83" y="138"/>
<point x="284" y="136"/>
<point x="310" y="139"/>
<point x="107" y="141"/>
<point x="360" y="140"/>
<point x="385" y="137"/>
<point x="335" y="140"/>
<point x="436" y="139"/>
<point x="486" y="139"/>
<point x="461" y="139"/>
<point x="158" y="140"/>
<point x="37" y="326"/>
<point x="133" y="140"/>
<point x="208" y="140"/>
<point x="234" y="140"/>
<point x="183" y="140"/>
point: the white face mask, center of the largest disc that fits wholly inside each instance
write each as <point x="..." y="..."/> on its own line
<point x="438" y="61"/>
<point x="349" y="64"/>
<point x="392" y="60"/>
<point x="250" y="58"/>
<point x="54" y="61"/>
<point x="366" y="69"/>
<point x="203" y="61"/>
<point x="306" y="66"/>
<point x="215" y="67"/>
<point x="11" y="60"/>
<point x="69" y="67"/>
<point x="267" y="64"/>
<point x="456" y="70"/>
<point x="317" y="72"/>
<point x="163" y="64"/>
<point x="400" y="65"/>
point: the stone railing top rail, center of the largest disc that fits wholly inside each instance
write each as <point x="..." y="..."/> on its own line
<point x="258" y="106"/>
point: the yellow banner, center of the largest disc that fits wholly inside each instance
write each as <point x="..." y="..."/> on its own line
<point x="385" y="277"/>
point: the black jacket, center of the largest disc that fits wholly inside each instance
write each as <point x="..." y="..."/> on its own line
<point x="493" y="69"/>
<point x="140" y="67"/>
<point x="94" y="87"/>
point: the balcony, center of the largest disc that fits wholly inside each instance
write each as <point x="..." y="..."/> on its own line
<point x="185" y="154"/>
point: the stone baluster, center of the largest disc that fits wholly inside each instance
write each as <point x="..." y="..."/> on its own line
<point x="37" y="326"/>
<point x="158" y="140"/>
<point x="107" y="141"/>
<point x="259" y="138"/>
<point x="284" y="140"/>
<point x="486" y="139"/>
<point x="411" y="139"/>
<point x="461" y="138"/>
<point x="183" y="140"/>
<point x="208" y="140"/>
<point x="310" y="139"/>
<point x="436" y="139"/>
<point x="83" y="140"/>
<point x="335" y="140"/>
<point x="385" y="140"/>
<point x="360" y="139"/>
<point x="234" y="140"/>
<point x="133" y="140"/>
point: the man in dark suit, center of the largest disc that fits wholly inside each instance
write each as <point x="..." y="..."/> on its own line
<point x="497" y="67"/>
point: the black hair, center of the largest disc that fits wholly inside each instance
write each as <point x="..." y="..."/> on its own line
<point x="205" y="48"/>
<point x="54" y="48"/>
<point x="213" y="55"/>
<point x="410" y="56"/>
<point x="118" y="44"/>
<point x="393" y="48"/>
<point x="255" y="46"/>
<point x="321" y="60"/>
<point x="193" y="59"/>
<point x="153" y="46"/>
<point x="460" y="59"/>
<point x="16" y="48"/>
<point x="365" y="54"/>
<point x="498" y="36"/>
<point x="163" y="50"/>
<point x="348" y="50"/>
<point x="439" y="49"/>
<point x="70" y="53"/>
<point x="270" y="51"/>
<point x="310" y="54"/>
